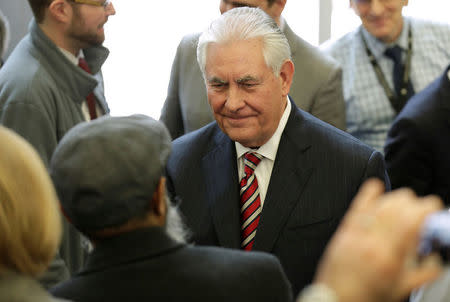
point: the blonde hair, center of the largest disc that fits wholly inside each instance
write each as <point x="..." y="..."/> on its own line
<point x="30" y="223"/>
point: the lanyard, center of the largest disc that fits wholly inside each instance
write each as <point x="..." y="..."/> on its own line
<point x="393" y="98"/>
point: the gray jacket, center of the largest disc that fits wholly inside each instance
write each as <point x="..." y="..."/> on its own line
<point x="41" y="90"/>
<point x="316" y="88"/>
<point x="40" y="98"/>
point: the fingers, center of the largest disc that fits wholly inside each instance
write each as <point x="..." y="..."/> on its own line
<point x="429" y="204"/>
<point x="412" y="214"/>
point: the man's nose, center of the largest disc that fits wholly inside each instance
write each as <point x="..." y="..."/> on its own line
<point x="110" y="10"/>
<point x="376" y="7"/>
<point x="235" y="99"/>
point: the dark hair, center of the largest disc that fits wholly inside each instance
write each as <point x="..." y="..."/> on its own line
<point x="271" y="2"/>
<point x="38" y="7"/>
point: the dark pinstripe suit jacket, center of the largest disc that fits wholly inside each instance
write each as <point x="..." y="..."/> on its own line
<point x="317" y="171"/>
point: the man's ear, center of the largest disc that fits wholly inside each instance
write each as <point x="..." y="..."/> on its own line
<point x="158" y="203"/>
<point x="60" y="10"/>
<point x="278" y="7"/>
<point x="286" y="76"/>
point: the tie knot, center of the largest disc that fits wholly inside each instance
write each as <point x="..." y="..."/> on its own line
<point x="251" y="160"/>
<point x="84" y="65"/>
<point x="394" y="53"/>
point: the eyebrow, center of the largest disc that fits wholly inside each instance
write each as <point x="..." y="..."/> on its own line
<point x="216" y="80"/>
<point x="246" y="79"/>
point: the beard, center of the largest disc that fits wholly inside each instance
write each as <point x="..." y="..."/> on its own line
<point x="175" y="226"/>
<point x="80" y="32"/>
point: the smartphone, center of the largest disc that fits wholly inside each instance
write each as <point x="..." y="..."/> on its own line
<point x="435" y="237"/>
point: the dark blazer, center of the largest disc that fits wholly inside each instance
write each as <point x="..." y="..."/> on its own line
<point x="317" y="171"/>
<point x="147" y="265"/>
<point x="418" y="145"/>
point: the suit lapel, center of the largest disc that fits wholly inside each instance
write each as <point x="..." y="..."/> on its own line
<point x="222" y="190"/>
<point x="290" y="174"/>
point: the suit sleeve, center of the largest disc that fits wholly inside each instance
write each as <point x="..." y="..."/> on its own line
<point x="329" y="103"/>
<point x="171" y="112"/>
<point x="408" y="157"/>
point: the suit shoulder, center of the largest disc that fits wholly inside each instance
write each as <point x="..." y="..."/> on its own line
<point x="186" y="54"/>
<point x="333" y="138"/>
<point x="195" y="143"/>
<point x="304" y="51"/>
<point x="190" y="41"/>
<point x="199" y="135"/>
<point x="24" y="80"/>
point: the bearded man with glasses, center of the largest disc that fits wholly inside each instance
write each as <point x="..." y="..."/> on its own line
<point x="385" y="61"/>
<point x="44" y="92"/>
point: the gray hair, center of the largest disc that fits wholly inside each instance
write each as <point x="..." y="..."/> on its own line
<point x="4" y="34"/>
<point x="245" y="23"/>
<point x="175" y="227"/>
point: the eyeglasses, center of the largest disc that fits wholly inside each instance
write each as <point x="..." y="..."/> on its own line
<point x="103" y="3"/>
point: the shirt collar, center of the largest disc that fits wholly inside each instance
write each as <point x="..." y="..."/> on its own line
<point x="269" y="149"/>
<point x="378" y="47"/>
<point x="70" y="56"/>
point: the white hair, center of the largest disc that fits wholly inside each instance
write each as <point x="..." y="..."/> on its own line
<point x="175" y="227"/>
<point x="245" y="23"/>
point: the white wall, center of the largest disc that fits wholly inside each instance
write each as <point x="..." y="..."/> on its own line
<point x="143" y="37"/>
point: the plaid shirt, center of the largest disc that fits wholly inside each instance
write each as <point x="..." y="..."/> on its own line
<point x="369" y="112"/>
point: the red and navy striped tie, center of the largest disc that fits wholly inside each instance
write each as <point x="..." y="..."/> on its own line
<point x="250" y="201"/>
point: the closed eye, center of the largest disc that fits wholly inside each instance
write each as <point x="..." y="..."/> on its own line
<point x="248" y="85"/>
<point x="217" y="83"/>
<point x="248" y="82"/>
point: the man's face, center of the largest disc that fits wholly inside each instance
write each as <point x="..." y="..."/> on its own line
<point x="87" y="24"/>
<point x="381" y="18"/>
<point x="226" y="5"/>
<point x="247" y="99"/>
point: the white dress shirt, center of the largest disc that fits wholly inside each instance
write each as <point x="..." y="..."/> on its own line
<point x="269" y="150"/>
